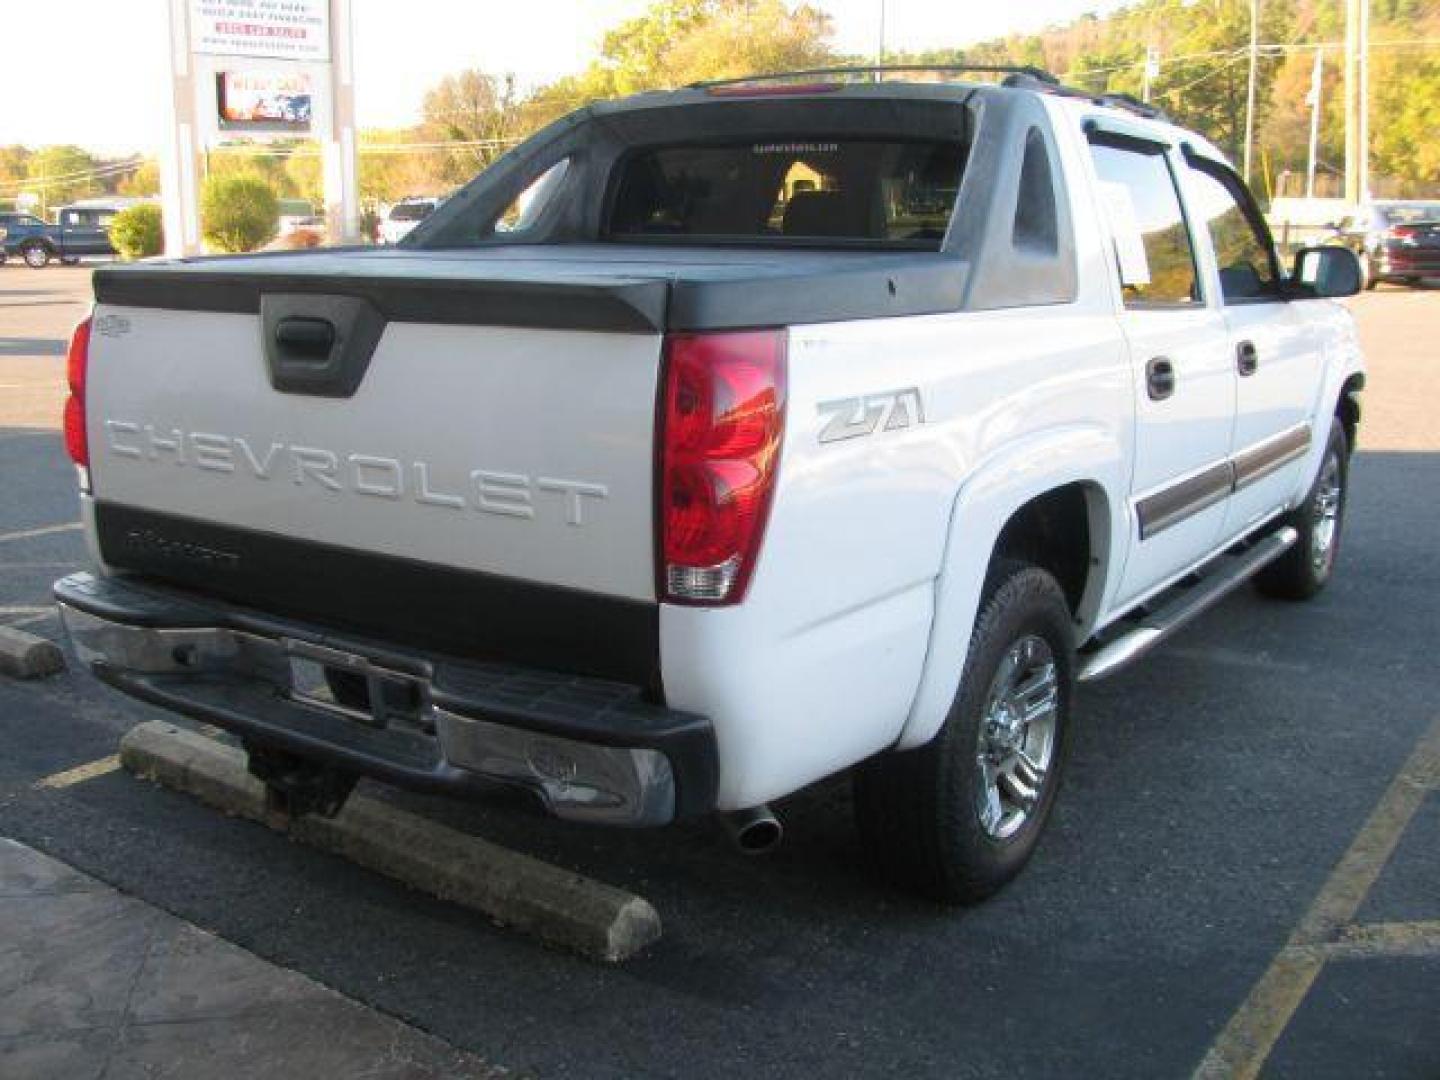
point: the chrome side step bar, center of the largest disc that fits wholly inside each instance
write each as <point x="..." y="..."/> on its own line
<point x="1155" y="626"/>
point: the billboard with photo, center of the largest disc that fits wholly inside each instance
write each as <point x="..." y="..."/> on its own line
<point x="260" y="101"/>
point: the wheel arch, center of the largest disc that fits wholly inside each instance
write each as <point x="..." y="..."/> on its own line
<point x="1027" y="500"/>
<point x="1347" y="407"/>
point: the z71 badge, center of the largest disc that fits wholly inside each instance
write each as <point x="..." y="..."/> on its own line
<point x="891" y="410"/>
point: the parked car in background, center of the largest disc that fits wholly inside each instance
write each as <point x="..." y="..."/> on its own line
<point x="1397" y="240"/>
<point x="298" y="214"/>
<point x="404" y="216"/>
<point x="1298" y="222"/>
<point x="82" y="229"/>
<point x="15" y="229"/>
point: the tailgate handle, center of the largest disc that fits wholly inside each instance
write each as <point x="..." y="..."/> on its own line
<point x="310" y="337"/>
<point x="318" y="345"/>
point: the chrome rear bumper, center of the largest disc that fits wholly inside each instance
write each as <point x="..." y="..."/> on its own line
<point x="589" y="749"/>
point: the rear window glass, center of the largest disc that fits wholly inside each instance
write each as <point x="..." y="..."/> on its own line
<point x="805" y="191"/>
<point x="411" y="211"/>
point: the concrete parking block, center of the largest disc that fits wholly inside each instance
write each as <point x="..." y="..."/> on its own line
<point x="558" y="907"/>
<point x="28" y="656"/>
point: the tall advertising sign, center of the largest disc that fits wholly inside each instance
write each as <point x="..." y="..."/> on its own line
<point x="279" y="30"/>
<point x="259" y="69"/>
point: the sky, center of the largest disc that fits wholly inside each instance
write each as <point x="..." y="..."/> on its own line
<point x="107" y="90"/>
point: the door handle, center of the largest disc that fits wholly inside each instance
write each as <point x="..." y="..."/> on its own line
<point x="1247" y="358"/>
<point x="1159" y="378"/>
<point x="306" y="337"/>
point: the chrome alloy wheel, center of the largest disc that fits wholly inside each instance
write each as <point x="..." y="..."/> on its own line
<point x="1325" y="515"/>
<point x="1017" y="736"/>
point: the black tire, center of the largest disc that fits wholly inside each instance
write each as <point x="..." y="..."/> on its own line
<point x="1370" y="282"/>
<point x="1308" y="567"/>
<point x="918" y="811"/>
<point x="36" y="256"/>
<point x="1414" y="282"/>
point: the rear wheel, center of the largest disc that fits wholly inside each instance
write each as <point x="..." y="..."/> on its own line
<point x="1308" y="566"/>
<point x="956" y="819"/>
<point x="35" y="255"/>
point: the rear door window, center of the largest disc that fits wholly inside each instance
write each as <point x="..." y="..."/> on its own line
<point x="811" y="191"/>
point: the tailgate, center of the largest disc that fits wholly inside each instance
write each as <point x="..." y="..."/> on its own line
<point x="519" y="451"/>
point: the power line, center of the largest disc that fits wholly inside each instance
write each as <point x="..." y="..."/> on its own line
<point x="43" y="183"/>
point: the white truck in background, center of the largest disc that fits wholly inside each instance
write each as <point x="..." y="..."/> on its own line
<point x="715" y="442"/>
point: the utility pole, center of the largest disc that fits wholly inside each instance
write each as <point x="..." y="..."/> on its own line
<point x="1150" y="73"/>
<point x="1357" y="96"/>
<point x="880" y="43"/>
<point x="1250" y="88"/>
<point x="1313" y="100"/>
<point x="1363" y="65"/>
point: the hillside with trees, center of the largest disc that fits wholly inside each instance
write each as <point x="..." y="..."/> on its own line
<point x="470" y="117"/>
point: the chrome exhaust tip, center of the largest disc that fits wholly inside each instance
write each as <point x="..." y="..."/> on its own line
<point x="755" y="831"/>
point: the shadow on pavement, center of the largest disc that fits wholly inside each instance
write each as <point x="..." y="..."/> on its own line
<point x="32" y="346"/>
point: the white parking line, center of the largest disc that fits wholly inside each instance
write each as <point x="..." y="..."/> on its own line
<point x="44" y="530"/>
<point x="1326" y="930"/>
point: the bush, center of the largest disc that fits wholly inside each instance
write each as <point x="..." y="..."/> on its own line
<point x="138" y="231"/>
<point x="238" y="213"/>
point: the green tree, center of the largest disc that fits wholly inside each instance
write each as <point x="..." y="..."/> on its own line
<point x="138" y="231"/>
<point x="476" y="108"/>
<point x="1206" y="89"/>
<point x="238" y="212"/>
<point x="143" y="181"/>
<point x="387" y="175"/>
<point x="305" y="174"/>
<point x="676" y="42"/>
<point x="59" y="174"/>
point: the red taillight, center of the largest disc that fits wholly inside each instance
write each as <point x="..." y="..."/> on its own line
<point x="1401" y="232"/>
<point x="722" y="417"/>
<point x="77" y="361"/>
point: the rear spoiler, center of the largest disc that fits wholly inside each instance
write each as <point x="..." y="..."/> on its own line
<point x="624" y="305"/>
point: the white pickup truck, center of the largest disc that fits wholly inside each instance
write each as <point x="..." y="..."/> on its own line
<point x="713" y="443"/>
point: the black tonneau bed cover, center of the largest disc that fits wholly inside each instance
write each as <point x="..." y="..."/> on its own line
<point x="605" y="286"/>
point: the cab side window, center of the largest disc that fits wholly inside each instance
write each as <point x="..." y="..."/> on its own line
<point x="1152" y="243"/>
<point x="1243" y="251"/>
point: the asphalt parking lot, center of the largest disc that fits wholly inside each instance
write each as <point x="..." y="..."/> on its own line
<point x="1243" y="873"/>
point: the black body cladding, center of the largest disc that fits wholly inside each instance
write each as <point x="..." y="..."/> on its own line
<point x="466" y="614"/>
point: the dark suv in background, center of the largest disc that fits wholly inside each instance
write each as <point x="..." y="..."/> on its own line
<point x="79" y="231"/>
<point x="1397" y="240"/>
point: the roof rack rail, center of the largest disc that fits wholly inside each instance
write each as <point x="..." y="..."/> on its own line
<point x="1135" y="105"/>
<point x="1020" y="76"/>
<point x="1038" y="74"/>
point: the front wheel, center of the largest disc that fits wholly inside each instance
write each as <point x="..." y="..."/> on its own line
<point x="956" y="819"/>
<point x="36" y="255"/>
<point x="1308" y="566"/>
